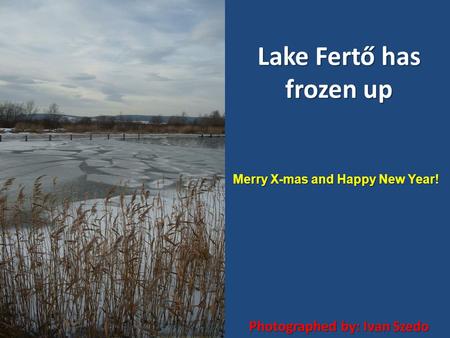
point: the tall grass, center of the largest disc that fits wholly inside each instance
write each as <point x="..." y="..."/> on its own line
<point x="126" y="266"/>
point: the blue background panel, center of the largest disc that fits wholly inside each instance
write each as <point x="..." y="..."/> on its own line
<point x="305" y="253"/>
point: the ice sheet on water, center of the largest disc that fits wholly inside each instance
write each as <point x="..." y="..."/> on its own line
<point x="131" y="172"/>
<point x="54" y="152"/>
<point x="130" y="163"/>
<point x="112" y="162"/>
<point x="161" y="184"/>
<point x="87" y="153"/>
<point x="98" y="163"/>
<point x="114" y="180"/>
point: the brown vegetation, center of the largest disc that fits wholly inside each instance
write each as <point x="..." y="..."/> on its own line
<point x="23" y="118"/>
<point x="136" y="269"/>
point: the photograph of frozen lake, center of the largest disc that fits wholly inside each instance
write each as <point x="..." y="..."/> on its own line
<point x="112" y="164"/>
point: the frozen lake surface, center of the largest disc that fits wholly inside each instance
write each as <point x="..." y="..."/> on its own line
<point x="90" y="168"/>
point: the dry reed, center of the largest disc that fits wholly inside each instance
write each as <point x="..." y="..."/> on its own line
<point x="128" y="266"/>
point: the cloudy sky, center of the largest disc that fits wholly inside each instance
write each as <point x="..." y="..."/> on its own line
<point x="95" y="57"/>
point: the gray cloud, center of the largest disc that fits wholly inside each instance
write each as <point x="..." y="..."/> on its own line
<point x="112" y="94"/>
<point x="68" y="86"/>
<point x="83" y="77"/>
<point x="156" y="77"/>
<point x="107" y="56"/>
<point x="16" y="79"/>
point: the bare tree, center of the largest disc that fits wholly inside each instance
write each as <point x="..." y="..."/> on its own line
<point x="214" y="119"/>
<point x="11" y="113"/>
<point x="178" y="120"/>
<point x="156" y="120"/>
<point x="31" y="109"/>
<point x="53" y="116"/>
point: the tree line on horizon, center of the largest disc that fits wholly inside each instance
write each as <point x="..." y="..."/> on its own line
<point x="23" y="117"/>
